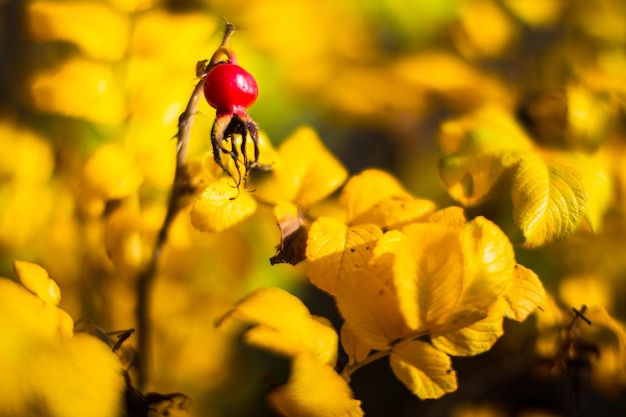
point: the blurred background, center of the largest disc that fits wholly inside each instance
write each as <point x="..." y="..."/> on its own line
<point x="90" y="94"/>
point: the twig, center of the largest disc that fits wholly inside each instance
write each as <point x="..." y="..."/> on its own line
<point x="180" y="189"/>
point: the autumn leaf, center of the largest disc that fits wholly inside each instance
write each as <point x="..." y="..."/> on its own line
<point x="305" y="172"/>
<point x="437" y="259"/>
<point x="489" y="263"/>
<point x="293" y="234"/>
<point x="111" y="173"/>
<point x="80" y="88"/>
<point x="552" y="192"/>
<point x="354" y="347"/>
<point x="471" y="178"/>
<point x="426" y="371"/>
<point x="372" y="299"/>
<point x="97" y="29"/>
<point x="42" y="360"/>
<point x="452" y="216"/>
<point x="283" y="324"/>
<point x="334" y="249"/>
<point x="525" y="294"/>
<point x="376" y="197"/>
<point x="221" y="206"/>
<point x="598" y="184"/>
<point x="428" y="278"/>
<point x="548" y="199"/>
<point x="474" y="339"/>
<point x="479" y="149"/>
<point x="36" y="279"/>
<point x="314" y="390"/>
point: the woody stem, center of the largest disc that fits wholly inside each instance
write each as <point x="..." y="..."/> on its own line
<point x="180" y="189"/>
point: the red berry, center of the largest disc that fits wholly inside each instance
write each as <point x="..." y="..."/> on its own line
<point x="230" y="89"/>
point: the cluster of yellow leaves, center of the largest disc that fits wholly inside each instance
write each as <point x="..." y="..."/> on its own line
<point x="398" y="269"/>
<point x="553" y="192"/>
<point x="44" y="365"/>
<point x="438" y="275"/>
<point x="303" y="173"/>
<point x="88" y="86"/>
<point x="282" y="324"/>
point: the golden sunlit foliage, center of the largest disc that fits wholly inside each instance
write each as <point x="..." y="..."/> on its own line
<point x="444" y="180"/>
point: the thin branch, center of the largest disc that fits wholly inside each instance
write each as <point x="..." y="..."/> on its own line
<point x="350" y="369"/>
<point x="180" y="189"/>
<point x="375" y="355"/>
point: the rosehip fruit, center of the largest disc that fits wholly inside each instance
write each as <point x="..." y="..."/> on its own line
<point x="230" y="89"/>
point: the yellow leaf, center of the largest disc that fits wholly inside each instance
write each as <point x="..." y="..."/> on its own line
<point x="110" y="173"/>
<point x="449" y="277"/>
<point x="474" y="339"/>
<point x="307" y="172"/>
<point x="314" y="390"/>
<point x="284" y="325"/>
<point x="377" y="303"/>
<point x="551" y="192"/>
<point x="26" y="157"/>
<point x="36" y="279"/>
<point x="366" y="189"/>
<point x="378" y="198"/>
<point x="487" y="29"/>
<point x="445" y="73"/>
<point x="95" y="28"/>
<point x="588" y="119"/>
<point x="525" y="295"/>
<point x="490" y="128"/>
<point x="354" y="347"/>
<point x="471" y="178"/>
<point x="489" y="263"/>
<point x="549" y="198"/>
<point x="28" y="321"/>
<point x="598" y="185"/>
<point x="82" y="372"/>
<point x="424" y="370"/>
<point x="429" y="278"/>
<point x="537" y="12"/>
<point x="172" y="38"/>
<point x="479" y="149"/>
<point x="80" y="88"/>
<point x="334" y="249"/>
<point x="452" y="216"/>
<point x="435" y="251"/>
<point x="318" y="341"/>
<point x="221" y="206"/>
